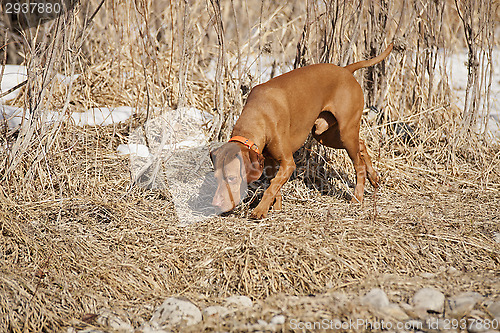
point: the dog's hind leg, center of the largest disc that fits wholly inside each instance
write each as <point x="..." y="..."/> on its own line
<point x="373" y="176"/>
<point x="324" y="121"/>
<point x="352" y="145"/>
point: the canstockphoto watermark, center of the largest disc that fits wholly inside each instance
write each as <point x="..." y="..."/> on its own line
<point x="171" y="151"/>
<point x="410" y="325"/>
<point x="354" y="324"/>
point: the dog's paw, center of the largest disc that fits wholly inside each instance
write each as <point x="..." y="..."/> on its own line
<point x="259" y="213"/>
<point x="374" y="179"/>
<point x="355" y="200"/>
<point x="277" y="203"/>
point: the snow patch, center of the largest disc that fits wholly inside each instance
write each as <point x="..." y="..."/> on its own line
<point x="63" y="79"/>
<point x="13" y="115"/>
<point x="102" y="116"/>
<point x="457" y="67"/>
<point x="137" y="149"/>
<point x="12" y="76"/>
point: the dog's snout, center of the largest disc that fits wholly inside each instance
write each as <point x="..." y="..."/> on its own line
<point x="217" y="201"/>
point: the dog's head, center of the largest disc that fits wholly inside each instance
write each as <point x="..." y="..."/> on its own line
<point x="235" y="166"/>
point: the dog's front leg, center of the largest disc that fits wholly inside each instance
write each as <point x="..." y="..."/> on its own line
<point x="271" y="167"/>
<point x="287" y="166"/>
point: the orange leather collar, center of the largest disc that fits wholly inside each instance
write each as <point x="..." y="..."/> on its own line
<point x="250" y="144"/>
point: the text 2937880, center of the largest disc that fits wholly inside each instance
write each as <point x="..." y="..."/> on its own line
<point x="32" y="7"/>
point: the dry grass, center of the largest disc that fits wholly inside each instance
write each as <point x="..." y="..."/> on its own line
<point x="64" y="258"/>
<point x="75" y="238"/>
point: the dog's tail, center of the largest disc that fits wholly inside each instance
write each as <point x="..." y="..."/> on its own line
<point x="370" y="62"/>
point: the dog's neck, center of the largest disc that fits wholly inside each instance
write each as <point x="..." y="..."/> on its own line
<point x="257" y="138"/>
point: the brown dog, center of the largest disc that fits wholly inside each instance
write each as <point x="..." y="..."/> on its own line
<point x="277" y="118"/>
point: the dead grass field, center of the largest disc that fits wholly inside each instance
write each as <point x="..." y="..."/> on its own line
<point x="101" y="246"/>
<point x="76" y="238"/>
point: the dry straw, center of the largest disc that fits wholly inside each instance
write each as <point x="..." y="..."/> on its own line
<point x="75" y="237"/>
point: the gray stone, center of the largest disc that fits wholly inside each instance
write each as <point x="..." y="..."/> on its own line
<point x="262" y="322"/>
<point x="278" y="320"/>
<point x="429" y="299"/>
<point x="477" y="326"/>
<point x="377" y="298"/>
<point x="108" y="318"/>
<point x="427" y="275"/>
<point x="459" y="306"/>
<point x="147" y="328"/>
<point x="496" y="237"/>
<point x="415" y="313"/>
<point x="395" y="311"/>
<point x="494" y="309"/>
<point x="176" y="312"/>
<point x="239" y="302"/>
<point x="406" y="306"/>
<point x="215" y="310"/>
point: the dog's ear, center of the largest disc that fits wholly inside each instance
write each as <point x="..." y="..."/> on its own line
<point x="213" y="155"/>
<point x="254" y="165"/>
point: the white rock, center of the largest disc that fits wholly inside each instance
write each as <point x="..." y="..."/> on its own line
<point x="427" y="275"/>
<point x="406" y="306"/>
<point x="460" y="305"/>
<point x="278" y="320"/>
<point x="147" y="328"/>
<point x="478" y="325"/>
<point x="395" y="312"/>
<point x="108" y="318"/>
<point x="494" y="309"/>
<point x="496" y="237"/>
<point x="262" y="322"/>
<point x="239" y="301"/>
<point x="429" y="299"/>
<point x="376" y="298"/>
<point x="215" y="310"/>
<point x="176" y="312"/>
